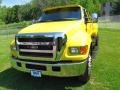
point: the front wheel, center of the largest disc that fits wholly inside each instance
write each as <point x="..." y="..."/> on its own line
<point x="86" y="76"/>
<point x="94" y="47"/>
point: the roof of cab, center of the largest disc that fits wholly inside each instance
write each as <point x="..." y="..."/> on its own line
<point x="47" y="9"/>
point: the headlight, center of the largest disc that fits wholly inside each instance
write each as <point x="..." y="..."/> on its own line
<point x="82" y="50"/>
<point x="74" y="50"/>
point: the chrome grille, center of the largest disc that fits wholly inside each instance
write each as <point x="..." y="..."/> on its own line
<point x="39" y="46"/>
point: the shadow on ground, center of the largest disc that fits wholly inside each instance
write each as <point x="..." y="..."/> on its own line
<point x="15" y="80"/>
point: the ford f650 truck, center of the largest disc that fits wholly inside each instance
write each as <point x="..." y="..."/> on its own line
<point x="61" y="43"/>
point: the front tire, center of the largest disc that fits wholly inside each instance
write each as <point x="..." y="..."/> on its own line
<point x="94" y="47"/>
<point x="86" y="76"/>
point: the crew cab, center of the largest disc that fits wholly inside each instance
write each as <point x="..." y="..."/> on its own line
<point x="62" y="43"/>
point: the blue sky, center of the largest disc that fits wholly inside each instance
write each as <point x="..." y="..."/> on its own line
<point x="10" y="3"/>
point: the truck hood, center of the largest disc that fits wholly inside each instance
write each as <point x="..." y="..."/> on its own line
<point x="49" y="27"/>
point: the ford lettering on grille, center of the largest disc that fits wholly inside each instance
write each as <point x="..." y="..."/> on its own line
<point x="34" y="47"/>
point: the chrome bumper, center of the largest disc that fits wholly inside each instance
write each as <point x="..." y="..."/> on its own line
<point x="57" y="69"/>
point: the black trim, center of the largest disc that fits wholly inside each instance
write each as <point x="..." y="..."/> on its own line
<point x="56" y="69"/>
<point x="19" y="64"/>
<point x="31" y="54"/>
<point x="37" y="67"/>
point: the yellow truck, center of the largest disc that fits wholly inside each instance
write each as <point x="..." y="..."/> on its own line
<point x="62" y="43"/>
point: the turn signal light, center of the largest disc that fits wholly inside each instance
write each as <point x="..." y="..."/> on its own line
<point x="83" y="50"/>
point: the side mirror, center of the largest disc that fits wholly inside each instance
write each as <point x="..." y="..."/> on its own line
<point x="95" y="17"/>
<point x="34" y="21"/>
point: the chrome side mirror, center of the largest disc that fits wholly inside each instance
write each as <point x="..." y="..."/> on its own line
<point x="95" y="17"/>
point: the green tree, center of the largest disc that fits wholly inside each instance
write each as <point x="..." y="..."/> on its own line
<point x="49" y="3"/>
<point x="116" y="9"/>
<point x="3" y="13"/>
<point x="90" y="5"/>
<point x="12" y="14"/>
<point x="29" y="12"/>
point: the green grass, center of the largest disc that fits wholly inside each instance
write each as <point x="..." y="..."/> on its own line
<point x="7" y="29"/>
<point x="112" y="25"/>
<point x="105" y="70"/>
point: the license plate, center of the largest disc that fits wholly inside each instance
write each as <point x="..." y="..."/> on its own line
<point x="36" y="73"/>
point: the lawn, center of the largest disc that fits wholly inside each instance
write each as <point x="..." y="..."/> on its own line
<point x="105" y="70"/>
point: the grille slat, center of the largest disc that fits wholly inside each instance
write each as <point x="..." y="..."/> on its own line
<point x="35" y="43"/>
<point x="31" y="54"/>
<point x="36" y="51"/>
<point x="40" y="47"/>
<point x="42" y="39"/>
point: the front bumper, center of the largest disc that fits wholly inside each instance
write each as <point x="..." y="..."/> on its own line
<point x="67" y="69"/>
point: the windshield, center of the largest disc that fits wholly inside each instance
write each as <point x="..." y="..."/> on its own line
<point x="71" y="13"/>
